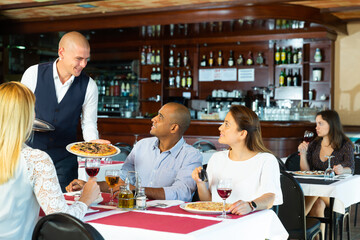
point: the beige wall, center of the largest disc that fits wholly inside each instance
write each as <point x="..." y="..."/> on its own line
<point x="347" y="75"/>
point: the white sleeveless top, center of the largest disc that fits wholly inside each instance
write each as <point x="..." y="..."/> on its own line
<point x="34" y="184"/>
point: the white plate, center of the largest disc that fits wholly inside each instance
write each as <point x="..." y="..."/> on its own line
<point x="68" y="148"/>
<point x="183" y="206"/>
<point x="306" y="175"/>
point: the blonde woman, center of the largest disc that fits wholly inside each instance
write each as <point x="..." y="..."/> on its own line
<point x="27" y="176"/>
<point x="253" y="169"/>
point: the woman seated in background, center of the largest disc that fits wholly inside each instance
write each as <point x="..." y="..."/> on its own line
<point x="253" y="169"/>
<point x="330" y="140"/>
<point x="27" y="176"/>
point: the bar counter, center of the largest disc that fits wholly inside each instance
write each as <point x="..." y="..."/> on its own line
<point x="281" y="137"/>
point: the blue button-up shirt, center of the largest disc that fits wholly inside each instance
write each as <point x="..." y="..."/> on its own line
<point x="170" y="170"/>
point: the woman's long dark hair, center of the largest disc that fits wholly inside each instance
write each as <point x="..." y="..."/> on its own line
<point x="336" y="132"/>
<point x="247" y="120"/>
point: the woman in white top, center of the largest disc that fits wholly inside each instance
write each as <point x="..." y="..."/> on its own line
<point x="27" y="176"/>
<point x="253" y="169"/>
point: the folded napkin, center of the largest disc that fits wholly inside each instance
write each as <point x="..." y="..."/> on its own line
<point x="77" y="195"/>
<point x="163" y="203"/>
<point x="343" y="176"/>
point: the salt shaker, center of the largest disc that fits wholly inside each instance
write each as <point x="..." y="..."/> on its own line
<point x="141" y="199"/>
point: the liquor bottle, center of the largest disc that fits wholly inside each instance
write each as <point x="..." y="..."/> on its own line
<point x="295" y="56"/>
<point x="152" y="58"/>
<point x="103" y="87"/>
<point x="203" y="61"/>
<point x="260" y="59"/>
<point x="178" y="60"/>
<point x="172" y="27"/>
<point x="158" y="79"/>
<point x="299" y="57"/>
<point x="171" y="58"/>
<point x="283" y="55"/>
<point x="116" y="88"/>
<point x="189" y="80"/>
<point x="288" y="55"/>
<point x="277" y="55"/>
<point x="171" y="79"/>
<point x="107" y="90"/>
<point x="240" y="60"/>
<point x="148" y="56"/>
<point x="231" y="59"/>
<point x="296" y="79"/>
<point x="123" y="89"/>
<point x="219" y="59"/>
<point x="158" y="30"/>
<point x="183" y="80"/>
<point x="249" y="59"/>
<point x="127" y="89"/>
<point x="317" y="56"/>
<point x="211" y="59"/>
<point x="185" y="59"/>
<point x="282" y="78"/>
<point x="153" y="75"/>
<point x="158" y="58"/>
<point x="143" y="56"/>
<point x="289" y="78"/>
<point x="177" y="79"/>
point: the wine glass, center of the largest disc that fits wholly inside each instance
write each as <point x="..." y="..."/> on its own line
<point x="329" y="173"/>
<point x="92" y="166"/>
<point x="224" y="189"/>
<point x="112" y="178"/>
<point x="308" y="136"/>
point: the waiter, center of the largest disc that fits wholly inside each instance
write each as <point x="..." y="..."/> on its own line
<point x="63" y="94"/>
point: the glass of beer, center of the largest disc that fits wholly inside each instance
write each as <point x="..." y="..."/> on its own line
<point x="112" y="179"/>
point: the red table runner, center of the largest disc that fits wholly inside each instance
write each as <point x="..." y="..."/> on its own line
<point x="164" y="223"/>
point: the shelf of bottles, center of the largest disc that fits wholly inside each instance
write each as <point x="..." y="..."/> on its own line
<point x="117" y="88"/>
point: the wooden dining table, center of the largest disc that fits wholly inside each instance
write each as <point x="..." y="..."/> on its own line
<point x="174" y="222"/>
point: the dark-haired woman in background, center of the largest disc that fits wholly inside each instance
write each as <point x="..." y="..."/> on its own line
<point x="331" y="140"/>
<point x="253" y="169"/>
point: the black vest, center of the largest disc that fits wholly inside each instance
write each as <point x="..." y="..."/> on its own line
<point x="64" y="116"/>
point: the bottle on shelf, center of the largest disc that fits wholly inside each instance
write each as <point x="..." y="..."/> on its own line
<point x="219" y="59"/>
<point x="296" y="78"/>
<point x="158" y="72"/>
<point x="112" y="88"/>
<point x="240" y="60"/>
<point x="158" y="57"/>
<point x="178" y="79"/>
<point x="178" y="60"/>
<point x="203" y="62"/>
<point x="123" y="89"/>
<point x="148" y="56"/>
<point x="231" y="59"/>
<point x="107" y="89"/>
<point x="158" y="30"/>
<point x="189" y="80"/>
<point x="153" y="75"/>
<point x="260" y="59"/>
<point x="317" y="56"/>
<point x="288" y="55"/>
<point x="282" y="78"/>
<point x="249" y="59"/>
<point x="277" y="55"/>
<point x="299" y="53"/>
<point x="289" y="78"/>
<point x="103" y="87"/>
<point x="183" y="80"/>
<point x="127" y="89"/>
<point x="171" y="79"/>
<point x="295" y="56"/>
<point x="116" y="88"/>
<point x="171" y="58"/>
<point x="172" y="28"/>
<point x="283" y="55"/>
<point x="152" y="58"/>
<point x="143" y="55"/>
<point x="185" y="59"/>
<point x="211" y="59"/>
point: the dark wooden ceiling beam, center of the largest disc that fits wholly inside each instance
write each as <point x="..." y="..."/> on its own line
<point x="104" y="21"/>
<point x="41" y="4"/>
<point x="340" y="9"/>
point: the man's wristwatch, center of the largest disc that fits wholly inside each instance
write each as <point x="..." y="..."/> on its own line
<point x="253" y="206"/>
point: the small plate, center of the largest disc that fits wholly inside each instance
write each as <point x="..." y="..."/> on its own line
<point x="42" y="126"/>
<point x="183" y="206"/>
<point x="308" y="173"/>
<point x="68" y="148"/>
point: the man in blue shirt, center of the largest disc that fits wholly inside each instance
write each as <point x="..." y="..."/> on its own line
<point x="164" y="163"/>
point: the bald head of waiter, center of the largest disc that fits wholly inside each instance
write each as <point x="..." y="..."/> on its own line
<point x="74" y="52"/>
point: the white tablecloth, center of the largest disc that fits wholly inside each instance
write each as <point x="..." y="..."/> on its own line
<point x="257" y="226"/>
<point x="345" y="192"/>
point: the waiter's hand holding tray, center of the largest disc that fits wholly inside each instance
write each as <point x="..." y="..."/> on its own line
<point x="92" y="149"/>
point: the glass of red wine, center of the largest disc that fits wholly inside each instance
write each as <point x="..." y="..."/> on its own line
<point x="308" y="136"/>
<point x="224" y="189"/>
<point x="92" y="166"/>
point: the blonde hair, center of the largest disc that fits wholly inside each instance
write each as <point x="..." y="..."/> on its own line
<point x="17" y="114"/>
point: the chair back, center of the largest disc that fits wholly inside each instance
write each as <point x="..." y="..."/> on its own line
<point x="357" y="164"/>
<point x="293" y="162"/>
<point x="125" y="150"/>
<point x="292" y="211"/>
<point x="60" y="226"/>
<point x="204" y="145"/>
<point x="281" y="164"/>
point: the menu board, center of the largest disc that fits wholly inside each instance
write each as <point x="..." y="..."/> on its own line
<point x="219" y="74"/>
<point x="246" y="75"/>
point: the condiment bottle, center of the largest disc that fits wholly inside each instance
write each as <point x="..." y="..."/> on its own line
<point x="141" y="199"/>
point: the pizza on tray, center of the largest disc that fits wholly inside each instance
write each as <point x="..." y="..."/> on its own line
<point x="93" y="149"/>
<point x="305" y="173"/>
<point x="207" y="206"/>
